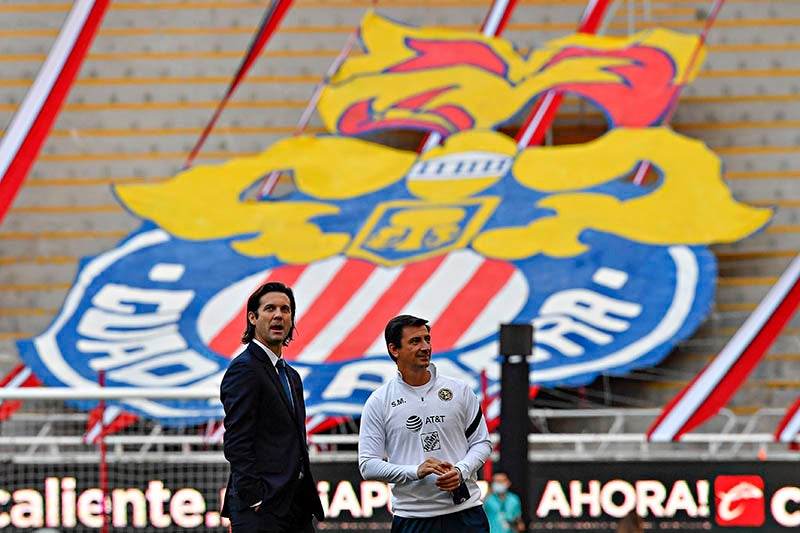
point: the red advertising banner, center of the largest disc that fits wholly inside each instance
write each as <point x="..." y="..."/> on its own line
<point x="669" y="496"/>
<point x="165" y="496"/>
<point x="733" y="497"/>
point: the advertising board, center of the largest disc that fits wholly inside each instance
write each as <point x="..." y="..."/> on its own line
<point x="565" y="496"/>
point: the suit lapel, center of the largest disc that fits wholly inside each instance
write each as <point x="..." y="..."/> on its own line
<point x="273" y="376"/>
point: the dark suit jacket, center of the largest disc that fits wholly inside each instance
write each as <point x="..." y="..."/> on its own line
<point x="265" y="439"/>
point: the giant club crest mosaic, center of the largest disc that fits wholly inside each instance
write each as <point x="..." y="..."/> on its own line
<point x="471" y="234"/>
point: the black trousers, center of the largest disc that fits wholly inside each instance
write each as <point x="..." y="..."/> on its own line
<point x="299" y="520"/>
<point x="472" y="520"/>
<point x="253" y="523"/>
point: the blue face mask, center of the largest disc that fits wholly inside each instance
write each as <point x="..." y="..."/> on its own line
<point x="499" y="488"/>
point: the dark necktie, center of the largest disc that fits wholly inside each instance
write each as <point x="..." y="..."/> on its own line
<point x="281" y="367"/>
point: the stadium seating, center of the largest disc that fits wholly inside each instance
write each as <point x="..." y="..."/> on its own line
<point x="156" y="71"/>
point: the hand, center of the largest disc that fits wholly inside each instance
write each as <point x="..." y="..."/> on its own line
<point x="450" y="480"/>
<point x="432" y="465"/>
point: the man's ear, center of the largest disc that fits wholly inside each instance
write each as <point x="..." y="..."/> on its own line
<point x="392" y="349"/>
<point x="251" y="317"/>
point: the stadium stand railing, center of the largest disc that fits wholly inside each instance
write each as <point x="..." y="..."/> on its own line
<point x="140" y="102"/>
<point x="46" y="433"/>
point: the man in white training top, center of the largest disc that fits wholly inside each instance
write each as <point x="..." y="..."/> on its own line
<point x="432" y="434"/>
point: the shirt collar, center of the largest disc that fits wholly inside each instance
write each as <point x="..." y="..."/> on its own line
<point x="431" y="369"/>
<point x="272" y="357"/>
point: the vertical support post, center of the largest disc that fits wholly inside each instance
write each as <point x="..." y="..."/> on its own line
<point x="516" y="343"/>
<point x="101" y="378"/>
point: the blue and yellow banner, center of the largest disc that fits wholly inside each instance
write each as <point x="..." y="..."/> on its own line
<point x="471" y="234"/>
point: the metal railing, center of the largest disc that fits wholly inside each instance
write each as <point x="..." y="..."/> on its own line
<point x="47" y="430"/>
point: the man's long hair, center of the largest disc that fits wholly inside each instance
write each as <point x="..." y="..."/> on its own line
<point x="253" y="303"/>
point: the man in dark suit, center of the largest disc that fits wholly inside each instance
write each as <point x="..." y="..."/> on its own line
<point x="270" y="488"/>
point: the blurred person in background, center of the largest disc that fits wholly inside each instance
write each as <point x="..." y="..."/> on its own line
<point x="632" y="523"/>
<point x="502" y="506"/>
<point x="270" y="488"/>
